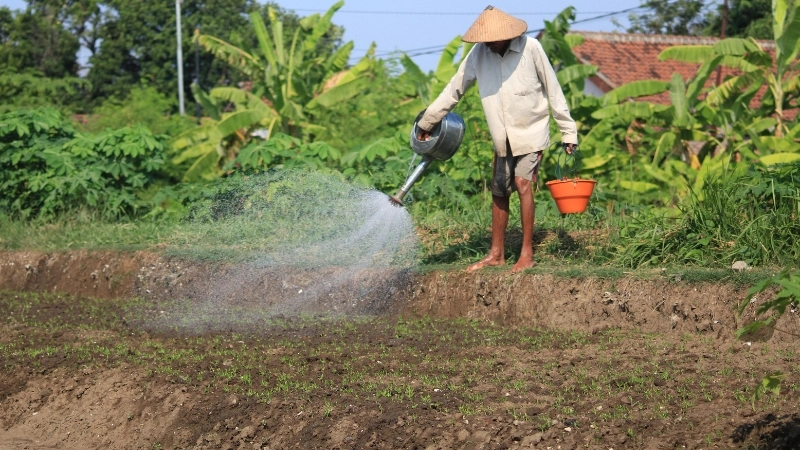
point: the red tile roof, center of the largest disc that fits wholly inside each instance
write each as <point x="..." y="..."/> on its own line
<point x="623" y="58"/>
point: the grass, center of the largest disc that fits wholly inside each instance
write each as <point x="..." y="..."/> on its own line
<point x="82" y="233"/>
<point x="745" y="216"/>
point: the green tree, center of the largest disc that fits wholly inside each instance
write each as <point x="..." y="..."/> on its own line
<point x="37" y="40"/>
<point x="137" y="42"/>
<point x="780" y="76"/>
<point x="705" y="129"/>
<point x="679" y="17"/>
<point x="290" y="74"/>
<point x="746" y="18"/>
<point x="387" y="105"/>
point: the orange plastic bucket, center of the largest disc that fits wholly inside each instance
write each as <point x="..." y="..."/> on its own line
<point x="571" y="195"/>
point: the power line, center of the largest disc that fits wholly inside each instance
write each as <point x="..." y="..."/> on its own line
<point x="428" y="13"/>
<point x="436" y="49"/>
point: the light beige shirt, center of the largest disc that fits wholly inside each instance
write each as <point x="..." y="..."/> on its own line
<point x="515" y="89"/>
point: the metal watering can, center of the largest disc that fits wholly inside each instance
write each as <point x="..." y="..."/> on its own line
<point x="445" y="139"/>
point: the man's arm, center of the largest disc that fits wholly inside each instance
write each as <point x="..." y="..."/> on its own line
<point x="555" y="95"/>
<point x="448" y="98"/>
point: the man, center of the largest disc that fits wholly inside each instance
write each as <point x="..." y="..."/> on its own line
<point x="516" y="82"/>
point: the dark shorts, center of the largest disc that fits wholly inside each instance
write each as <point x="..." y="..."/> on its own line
<point x="509" y="167"/>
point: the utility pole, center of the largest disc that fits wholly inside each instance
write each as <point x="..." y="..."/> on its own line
<point x="180" y="57"/>
<point x="722" y="36"/>
<point x="197" y="70"/>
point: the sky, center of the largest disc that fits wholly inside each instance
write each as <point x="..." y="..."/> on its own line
<point x="422" y="28"/>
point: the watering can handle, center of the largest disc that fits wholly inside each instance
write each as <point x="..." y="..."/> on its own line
<point x="576" y="157"/>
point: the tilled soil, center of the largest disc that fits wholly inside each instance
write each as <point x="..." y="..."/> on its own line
<point x="116" y="351"/>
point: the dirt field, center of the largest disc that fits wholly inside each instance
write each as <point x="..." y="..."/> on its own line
<point x="139" y="351"/>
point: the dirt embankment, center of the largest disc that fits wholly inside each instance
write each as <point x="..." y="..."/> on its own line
<point x="585" y="304"/>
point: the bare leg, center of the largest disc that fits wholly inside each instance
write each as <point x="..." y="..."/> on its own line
<point x="527" y="216"/>
<point x="496" y="256"/>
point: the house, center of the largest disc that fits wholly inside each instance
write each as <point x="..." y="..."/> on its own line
<point x="623" y="58"/>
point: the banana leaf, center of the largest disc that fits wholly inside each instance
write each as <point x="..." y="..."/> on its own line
<point x="231" y="54"/>
<point x="596" y="161"/>
<point x="577" y="72"/>
<point x="208" y="105"/>
<point x="322" y="25"/>
<point x="241" y="119"/>
<point x="340" y="93"/>
<point x="677" y="94"/>
<point x="630" y="110"/>
<point x="736" y="47"/>
<point x="635" y="89"/>
<point x="692" y="54"/>
<point x="786" y="26"/>
<point x="640" y="187"/>
<point x="204" y="168"/>
<point x="779" y="158"/>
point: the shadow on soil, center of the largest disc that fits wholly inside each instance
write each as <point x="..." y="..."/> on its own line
<point x="776" y="433"/>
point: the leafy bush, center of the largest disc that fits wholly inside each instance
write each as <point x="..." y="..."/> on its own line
<point x="47" y="167"/>
<point x="31" y="90"/>
<point x="282" y="151"/>
<point x="144" y="105"/>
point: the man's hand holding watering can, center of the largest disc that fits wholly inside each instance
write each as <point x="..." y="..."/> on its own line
<point x="423" y="135"/>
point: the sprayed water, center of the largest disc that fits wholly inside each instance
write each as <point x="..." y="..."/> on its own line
<point x="278" y="246"/>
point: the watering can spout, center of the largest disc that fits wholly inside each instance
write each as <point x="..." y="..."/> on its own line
<point x="444" y="140"/>
<point x="397" y="199"/>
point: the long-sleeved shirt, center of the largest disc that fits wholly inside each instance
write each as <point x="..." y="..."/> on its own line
<point x="514" y="89"/>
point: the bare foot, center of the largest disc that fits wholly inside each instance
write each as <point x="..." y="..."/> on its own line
<point x="486" y="262"/>
<point x="522" y="264"/>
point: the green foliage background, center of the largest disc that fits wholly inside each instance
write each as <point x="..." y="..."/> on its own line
<point x="705" y="180"/>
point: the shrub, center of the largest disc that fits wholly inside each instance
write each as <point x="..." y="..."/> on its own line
<point x="143" y="106"/>
<point x="47" y="167"/>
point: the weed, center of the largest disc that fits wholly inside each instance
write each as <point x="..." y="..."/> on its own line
<point x="467" y="409"/>
<point x="544" y="423"/>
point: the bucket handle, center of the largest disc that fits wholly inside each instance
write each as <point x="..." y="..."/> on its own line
<point x="561" y="169"/>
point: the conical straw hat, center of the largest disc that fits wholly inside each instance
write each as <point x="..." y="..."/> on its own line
<point x="494" y="25"/>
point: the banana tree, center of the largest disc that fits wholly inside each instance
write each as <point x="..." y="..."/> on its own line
<point x="558" y="44"/>
<point x="291" y="77"/>
<point x="429" y="85"/>
<point x="290" y="81"/>
<point x="676" y="146"/>
<point x="423" y="88"/>
<point x="757" y="68"/>
<point x="625" y="126"/>
<point x="222" y="133"/>
<point x="716" y="122"/>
